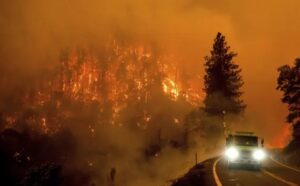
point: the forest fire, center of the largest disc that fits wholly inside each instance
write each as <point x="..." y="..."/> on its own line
<point x="103" y="97"/>
<point x="103" y="92"/>
<point x="170" y="88"/>
<point x="113" y="80"/>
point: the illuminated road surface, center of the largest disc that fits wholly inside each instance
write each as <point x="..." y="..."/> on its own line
<point x="272" y="173"/>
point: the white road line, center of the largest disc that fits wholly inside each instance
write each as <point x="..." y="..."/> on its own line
<point x="284" y="165"/>
<point x="279" y="178"/>
<point x="217" y="180"/>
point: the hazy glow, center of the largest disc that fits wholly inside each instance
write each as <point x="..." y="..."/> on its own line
<point x="263" y="40"/>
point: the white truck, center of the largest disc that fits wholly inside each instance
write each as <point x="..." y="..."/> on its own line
<point x="244" y="148"/>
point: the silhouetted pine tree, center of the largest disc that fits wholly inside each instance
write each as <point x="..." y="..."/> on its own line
<point x="222" y="81"/>
<point x="289" y="83"/>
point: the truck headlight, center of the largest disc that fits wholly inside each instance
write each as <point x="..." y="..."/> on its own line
<point x="259" y="154"/>
<point x="232" y="153"/>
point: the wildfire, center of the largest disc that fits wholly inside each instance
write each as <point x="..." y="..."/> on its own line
<point x="123" y="75"/>
<point x="170" y="88"/>
<point x="79" y="76"/>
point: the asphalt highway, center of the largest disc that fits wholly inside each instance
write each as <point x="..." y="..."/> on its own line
<point x="272" y="173"/>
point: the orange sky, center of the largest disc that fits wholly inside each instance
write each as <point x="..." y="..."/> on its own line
<point x="265" y="34"/>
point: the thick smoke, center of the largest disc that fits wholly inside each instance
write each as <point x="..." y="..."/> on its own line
<point x="34" y="33"/>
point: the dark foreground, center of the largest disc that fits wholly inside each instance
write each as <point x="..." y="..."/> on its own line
<point x="272" y="173"/>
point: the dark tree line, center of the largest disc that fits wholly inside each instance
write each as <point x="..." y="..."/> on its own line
<point x="31" y="159"/>
<point x="289" y="83"/>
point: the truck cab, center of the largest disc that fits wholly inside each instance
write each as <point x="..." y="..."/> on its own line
<point x="244" y="148"/>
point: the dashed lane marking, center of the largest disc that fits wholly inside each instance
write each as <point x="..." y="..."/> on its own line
<point x="216" y="178"/>
<point x="284" y="165"/>
<point x="218" y="182"/>
<point x="279" y="178"/>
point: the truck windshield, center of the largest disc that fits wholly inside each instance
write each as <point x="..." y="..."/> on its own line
<point x="245" y="140"/>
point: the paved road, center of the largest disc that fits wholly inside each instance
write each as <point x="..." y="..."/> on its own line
<point x="272" y="173"/>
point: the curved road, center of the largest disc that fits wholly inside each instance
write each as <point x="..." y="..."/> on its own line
<point x="272" y="173"/>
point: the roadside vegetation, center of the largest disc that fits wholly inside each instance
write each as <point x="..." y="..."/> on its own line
<point x="288" y="83"/>
<point x="223" y="106"/>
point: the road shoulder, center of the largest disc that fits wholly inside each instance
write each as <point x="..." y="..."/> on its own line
<point x="200" y="174"/>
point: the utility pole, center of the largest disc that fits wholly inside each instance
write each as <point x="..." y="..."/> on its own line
<point x="224" y="123"/>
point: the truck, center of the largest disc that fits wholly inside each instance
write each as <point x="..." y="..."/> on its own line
<point x="244" y="148"/>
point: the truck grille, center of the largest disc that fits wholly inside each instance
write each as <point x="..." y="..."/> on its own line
<point x="246" y="154"/>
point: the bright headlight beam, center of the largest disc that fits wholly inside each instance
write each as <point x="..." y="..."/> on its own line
<point x="259" y="154"/>
<point x="232" y="153"/>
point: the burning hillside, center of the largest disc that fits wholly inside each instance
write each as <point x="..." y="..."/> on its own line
<point x="113" y="79"/>
<point x="97" y="92"/>
<point x="118" y="103"/>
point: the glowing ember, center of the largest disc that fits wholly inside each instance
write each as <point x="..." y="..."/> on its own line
<point x="44" y="125"/>
<point x="10" y="120"/>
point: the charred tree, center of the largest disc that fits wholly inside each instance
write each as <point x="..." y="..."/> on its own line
<point x="222" y="81"/>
